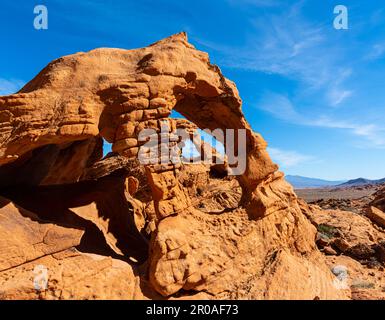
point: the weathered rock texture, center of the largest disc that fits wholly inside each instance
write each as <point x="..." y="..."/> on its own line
<point x="379" y="199"/>
<point x="377" y="216"/>
<point x="352" y="241"/>
<point x="250" y="240"/>
<point x="28" y="243"/>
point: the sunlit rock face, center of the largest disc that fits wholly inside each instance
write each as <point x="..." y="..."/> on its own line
<point x="191" y="229"/>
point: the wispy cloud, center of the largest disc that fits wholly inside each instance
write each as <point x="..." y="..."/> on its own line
<point x="288" y="159"/>
<point x="321" y="64"/>
<point x="337" y="96"/>
<point x="373" y="133"/>
<point x="282" y="108"/>
<point x="10" y="86"/>
<point x="376" y="51"/>
<point x="288" y="45"/>
<point x="335" y="92"/>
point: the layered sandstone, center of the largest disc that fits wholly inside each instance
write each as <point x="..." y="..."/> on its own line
<point x="243" y="237"/>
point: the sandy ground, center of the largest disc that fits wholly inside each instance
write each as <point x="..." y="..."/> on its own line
<point x="311" y="195"/>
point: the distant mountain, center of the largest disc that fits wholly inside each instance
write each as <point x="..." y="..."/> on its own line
<point x="361" y="182"/>
<point x="299" y="182"/>
<point x="305" y="182"/>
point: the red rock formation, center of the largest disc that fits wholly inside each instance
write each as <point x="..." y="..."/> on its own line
<point x="262" y="249"/>
<point x="351" y="241"/>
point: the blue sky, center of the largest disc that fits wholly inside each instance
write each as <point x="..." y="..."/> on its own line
<point x="315" y="93"/>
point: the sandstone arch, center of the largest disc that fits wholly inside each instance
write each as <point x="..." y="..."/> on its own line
<point x="112" y="93"/>
<point x="117" y="93"/>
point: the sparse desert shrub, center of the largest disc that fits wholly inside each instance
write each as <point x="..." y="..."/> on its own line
<point x="327" y="231"/>
<point x="362" y="285"/>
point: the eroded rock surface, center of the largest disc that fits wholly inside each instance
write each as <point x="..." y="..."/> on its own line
<point x="221" y="237"/>
<point x="353" y="242"/>
<point x="31" y="246"/>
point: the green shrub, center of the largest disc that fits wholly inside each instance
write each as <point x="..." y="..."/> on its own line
<point x="327" y="231"/>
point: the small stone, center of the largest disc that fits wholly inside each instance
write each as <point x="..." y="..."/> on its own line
<point x="341" y="244"/>
<point x="329" y="251"/>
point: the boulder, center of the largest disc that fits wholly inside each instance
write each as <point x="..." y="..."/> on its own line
<point x="377" y="216"/>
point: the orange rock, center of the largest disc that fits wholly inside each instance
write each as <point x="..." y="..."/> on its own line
<point x="377" y="216"/>
<point x="32" y="249"/>
<point x="255" y="244"/>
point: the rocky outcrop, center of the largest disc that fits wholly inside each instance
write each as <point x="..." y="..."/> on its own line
<point x="365" y="283"/>
<point x="379" y="199"/>
<point x="377" y="216"/>
<point x="240" y="238"/>
<point x="353" y="242"/>
<point x="230" y="257"/>
<point x="344" y="229"/>
<point x="25" y="238"/>
<point x="38" y="260"/>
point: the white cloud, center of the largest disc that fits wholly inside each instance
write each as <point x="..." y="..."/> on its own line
<point x="337" y="96"/>
<point x="10" y="86"/>
<point x="376" y="51"/>
<point x="287" y="159"/>
<point x="282" y="108"/>
<point x="288" y="45"/>
<point x="371" y="132"/>
<point x="314" y="56"/>
<point x="335" y="93"/>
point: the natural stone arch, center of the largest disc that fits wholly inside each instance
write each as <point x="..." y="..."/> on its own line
<point x="175" y="75"/>
<point x="116" y="93"/>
